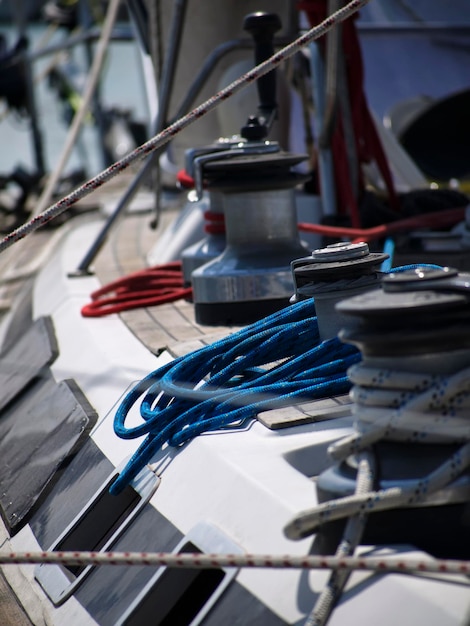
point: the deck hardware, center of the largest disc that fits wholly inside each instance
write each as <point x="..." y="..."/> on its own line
<point x="161" y="599"/>
<point x="333" y="273"/>
<point x="410" y="395"/>
<point x="442" y="280"/>
<point x="97" y="527"/>
<point x="256" y="181"/>
<point x="251" y="278"/>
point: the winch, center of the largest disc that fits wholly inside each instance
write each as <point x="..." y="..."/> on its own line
<point x="252" y="277"/>
<point x="253" y="180"/>
<point x="330" y="274"/>
<point x="411" y="395"/>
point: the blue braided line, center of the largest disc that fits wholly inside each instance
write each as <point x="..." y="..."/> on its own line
<point x="256" y="350"/>
<point x="194" y="422"/>
<point x="413" y="266"/>
<point x="389" y="248"/>
<point x="235" y="386"/>
<point x="202" y="361"/>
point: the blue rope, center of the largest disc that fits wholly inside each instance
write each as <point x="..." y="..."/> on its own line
<point x="236" y="386"/>
<point x="176" y="407"/>
<point x="389" y="248"/>
<point x="413" y="266"/>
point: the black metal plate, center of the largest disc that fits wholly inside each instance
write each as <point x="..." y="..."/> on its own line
<point x="24" y="361"/>
<point x="38" y="432"/>
<point x="108" y="591"/>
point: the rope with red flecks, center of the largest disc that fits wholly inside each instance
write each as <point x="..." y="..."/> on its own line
<point x="212" y="561"/>
<point x="168" y="133"/>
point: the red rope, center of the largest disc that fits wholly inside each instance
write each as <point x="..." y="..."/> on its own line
<point x="427" y="220"/>
<point x="215" y="223"/>
<point x="149" y="287"/>
<point x="165" y="283"/>
<point x="185" y="180"/>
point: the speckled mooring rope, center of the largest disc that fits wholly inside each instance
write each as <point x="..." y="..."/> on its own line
<point x="168" y="133"/>
<point x="267" y="561"/>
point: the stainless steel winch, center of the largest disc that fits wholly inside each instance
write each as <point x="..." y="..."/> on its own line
<point x="252" y="277"/>
<point x="330" y="274"/>
<point x="411" y="395"/>
<point x="253" y="181"/>
<point x="213" y="244"/>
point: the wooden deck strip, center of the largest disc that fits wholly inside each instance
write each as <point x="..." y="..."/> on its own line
<point x="143" y="326"/>
<point x="11" y="611"/>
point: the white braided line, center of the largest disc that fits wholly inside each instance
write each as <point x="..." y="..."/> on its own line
<point x="168" y="133"/>
<point x="211" y="561"/>
<point x="308" y="521"/>
<point x="431" y="408"/>
<point x="428" y="415"/>
<point x="352" y="536"/>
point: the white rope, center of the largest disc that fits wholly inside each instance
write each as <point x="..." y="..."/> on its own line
<point x="394" y="405"/>
<point x="429" y="408"/>
<point x="351" y="538"/>
<point x="428" y="415"/>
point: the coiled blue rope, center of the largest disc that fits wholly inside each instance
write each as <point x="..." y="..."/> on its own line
<point x="176" y="407"/>
<point x="236" y="387"/>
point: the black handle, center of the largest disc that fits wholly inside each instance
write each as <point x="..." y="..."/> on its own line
<point x="262" y="27"/>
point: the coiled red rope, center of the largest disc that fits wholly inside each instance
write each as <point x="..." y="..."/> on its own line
<point x="149" y="287"/>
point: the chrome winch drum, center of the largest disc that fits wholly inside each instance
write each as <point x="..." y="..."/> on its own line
<point x="332" y="273"/>
<point x="252" y="277"/>
<point x="411" y="395"/>
<point x="254" y="181"/>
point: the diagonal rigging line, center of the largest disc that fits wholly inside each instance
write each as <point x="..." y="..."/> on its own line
<point x="168" y="133"/>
